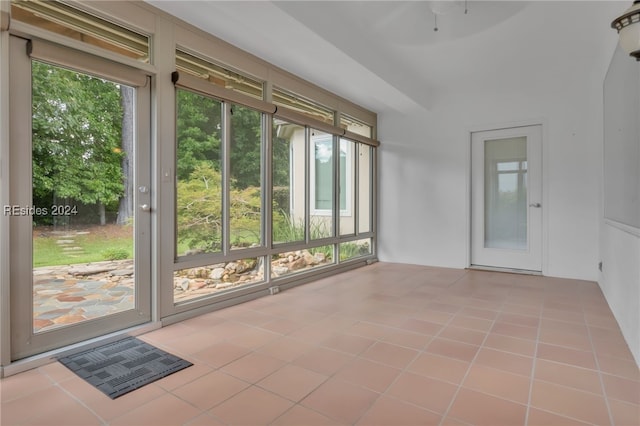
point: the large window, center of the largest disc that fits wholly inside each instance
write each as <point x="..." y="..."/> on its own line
<point x="322" y="170"/>
<point x="356" y="126"/>
<point x="288" y="177"/>
<point x="302" y="105"/>
<point x="245" y="179"/>
<point x="198" y="173"/>
<point x="348" y="169"/>
<point x="245" y="172"/>
<point x="365" y="188"/>
<point x="321" y="184"/>
<point x="264" y="190"/>
<point x="218" y="75"/>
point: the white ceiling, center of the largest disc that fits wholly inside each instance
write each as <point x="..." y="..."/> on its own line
<point x="386" y="54"/>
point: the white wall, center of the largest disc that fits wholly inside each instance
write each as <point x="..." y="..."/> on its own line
<point x="424" y="156"/>
<point x="619" y="243"/>
<point x="424" y="178"/>
<point x="620" y="281"/>
<point x="424" y="175"/>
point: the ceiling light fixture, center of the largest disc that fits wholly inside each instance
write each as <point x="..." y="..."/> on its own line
<point x="628" y="26"/>
<point x="444" y="7"/>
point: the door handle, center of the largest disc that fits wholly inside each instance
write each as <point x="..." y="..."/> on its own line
<point x="145" y="207"/>
<point x="536" y="205"/>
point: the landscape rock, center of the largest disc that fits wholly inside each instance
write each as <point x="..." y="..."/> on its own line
<point x="217" y="273"/>
<point x="121" y="272"/>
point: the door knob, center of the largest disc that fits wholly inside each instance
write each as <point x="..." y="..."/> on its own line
<point x="145" y="207"/>
<point x="536" y="205"/>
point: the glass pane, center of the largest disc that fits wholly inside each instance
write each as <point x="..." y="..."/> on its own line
<point x="365" y="188"/>
<point x="293" y="262"/>
<point x="199" y="181"/>
<point x="203" y="281"/>
<point x="323" y="176"/>
<point x="321" y="225"/>
<point x="347" y="187"/>
<point x="288" y="182"/>
<point x="355" y="126"/>
<point x="506" y="193"/>
<point x="354" y="249"/>
<point x="68" y="21"/>
<point x="246" y="177"/>
<point x="83" y="198"/>
<point x="308" y="107"/>
<point x="218" y="75"/>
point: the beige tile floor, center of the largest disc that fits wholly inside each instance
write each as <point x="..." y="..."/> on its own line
<point x="387" y="344"/>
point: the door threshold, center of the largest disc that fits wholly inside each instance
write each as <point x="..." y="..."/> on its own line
<point x="506" y="270"/>
<point x="51" y="356"/>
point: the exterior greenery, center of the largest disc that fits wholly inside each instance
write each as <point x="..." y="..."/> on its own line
<point x="77" y="154"/>
<point x="199" y="166"/>
<point x="79" y="149"/>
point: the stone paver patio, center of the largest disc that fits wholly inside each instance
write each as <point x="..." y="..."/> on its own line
<point x="69" y="294"/>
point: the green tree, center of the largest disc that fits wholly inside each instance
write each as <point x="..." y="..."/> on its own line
<point x="199" y="209"/>
<point x="246" y="135"/>
<point x="199" y="136"/>
<point x="199" y="132"/>
<point x="76" y="126"/>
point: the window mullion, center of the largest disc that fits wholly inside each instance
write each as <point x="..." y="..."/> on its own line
<point x="267" y="180"/>
<point x="356" y="189"/>
<point x="226" y="178"/>
<point x="307" y="184"/>
<point x="335" y="157"/>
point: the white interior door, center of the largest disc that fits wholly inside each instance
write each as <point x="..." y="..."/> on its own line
<point x="506" y="198"/>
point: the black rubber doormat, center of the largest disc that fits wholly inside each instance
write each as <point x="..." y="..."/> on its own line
<point x="120" y="367"/>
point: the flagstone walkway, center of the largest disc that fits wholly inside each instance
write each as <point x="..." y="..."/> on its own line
<point x="69" y="294"/>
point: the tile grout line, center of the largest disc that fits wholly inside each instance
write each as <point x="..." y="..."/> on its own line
<point x="406" y="367"/>
<point x="460" y="304"/>
<point x="597" y="362"/>
<point x="471" y="363"/>
<point x="534" y="363"/>
<point x="82" y="403"/>
<point x="500" y="312"/>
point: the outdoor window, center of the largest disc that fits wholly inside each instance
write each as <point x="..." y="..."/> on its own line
<point x="347" y="221"/>
<point x="198" y="174"/>
<point x="288" y="191"/>
<point x="365" y="187"/>
<point x="322" y="174"/>
<point x="299" y="261"/>
<point x="356" y="126"/>
<point x="302" y="105"/>
<point x="166" y="202"/>
<point x="203" y="281"/>
<point x="71" y="22"/>
<point x="353" y="249"/>
<point x="321" y="185"/>
<point x="218" y="75"/>
<point x="82" y="175"/>
<point x="245" y="173"/>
